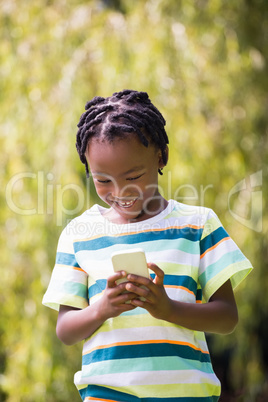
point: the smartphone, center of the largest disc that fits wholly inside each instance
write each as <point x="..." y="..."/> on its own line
<point x="132" y="261"/>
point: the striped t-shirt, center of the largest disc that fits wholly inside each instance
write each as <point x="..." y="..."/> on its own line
<point x="135" y="357"/>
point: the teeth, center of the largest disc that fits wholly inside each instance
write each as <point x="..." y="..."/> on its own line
<point x="126" y="203"/>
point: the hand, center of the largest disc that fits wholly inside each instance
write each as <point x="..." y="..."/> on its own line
<point x="75" y="324"/>
<point x="157" y="302"/>
<point x="115" y="299"/>
<point x="218" y="315"/>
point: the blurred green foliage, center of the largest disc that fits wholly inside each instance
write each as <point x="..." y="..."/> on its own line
<point x="204" y="65"/>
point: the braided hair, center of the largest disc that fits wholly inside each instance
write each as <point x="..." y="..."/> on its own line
<point x="120" y="115"/>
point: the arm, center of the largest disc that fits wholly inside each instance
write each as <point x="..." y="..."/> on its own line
<point x="74" y="325"/>
<point x="219" y="315"/>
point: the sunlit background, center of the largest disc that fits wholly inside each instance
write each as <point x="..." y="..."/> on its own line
<point x="204" y="65"/>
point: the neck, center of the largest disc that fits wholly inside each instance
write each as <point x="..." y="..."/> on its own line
<point x="154" y="208"/>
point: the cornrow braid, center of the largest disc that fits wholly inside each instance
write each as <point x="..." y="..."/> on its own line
<point x="120" y="115"/>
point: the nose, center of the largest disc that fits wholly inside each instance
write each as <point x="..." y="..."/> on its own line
<point x="120" y="194"/>
<point x="122" y="191"/>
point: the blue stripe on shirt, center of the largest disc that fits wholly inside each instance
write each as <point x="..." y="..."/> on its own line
<point x="212" y="239"/>
<point x="136" y="238"/>
<point x="146" y="350"/>
<point x="66" y="259"/>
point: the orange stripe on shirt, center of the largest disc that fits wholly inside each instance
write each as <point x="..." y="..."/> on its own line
<point x="70" y="266"/>
<point x="144" y="342"/>
<point x="91" y="398"/>
<point x="180" y="287"/>
<point x="215" y="245"/>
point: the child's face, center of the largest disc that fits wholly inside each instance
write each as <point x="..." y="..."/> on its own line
<point x="125" y="174"/>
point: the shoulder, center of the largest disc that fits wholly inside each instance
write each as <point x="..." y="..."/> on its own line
<point x="191" y="214"/>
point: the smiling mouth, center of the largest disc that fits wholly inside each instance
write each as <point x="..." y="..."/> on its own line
<point x="125" y="204"/>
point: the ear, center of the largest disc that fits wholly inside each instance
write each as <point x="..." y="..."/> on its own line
<point x="161" y="162"/>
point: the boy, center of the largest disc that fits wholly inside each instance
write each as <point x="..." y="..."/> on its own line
<point x="154" y="348"/>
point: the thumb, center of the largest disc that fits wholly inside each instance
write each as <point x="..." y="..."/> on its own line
<point x="159" y="274"/>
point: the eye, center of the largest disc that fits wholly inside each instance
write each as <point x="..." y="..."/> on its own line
<point x="135" y="178"/>
<point x="103" y="181"/>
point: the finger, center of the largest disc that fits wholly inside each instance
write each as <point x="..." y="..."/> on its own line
<point x="120" y="294"/>
<point x="140" y="280"/>
<point x="159" y="274"/>
<point x="138" y="302"/>
<point x="125" y="298"/>
<point x="111" y="281"/>
<point x="137" y="290"/>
